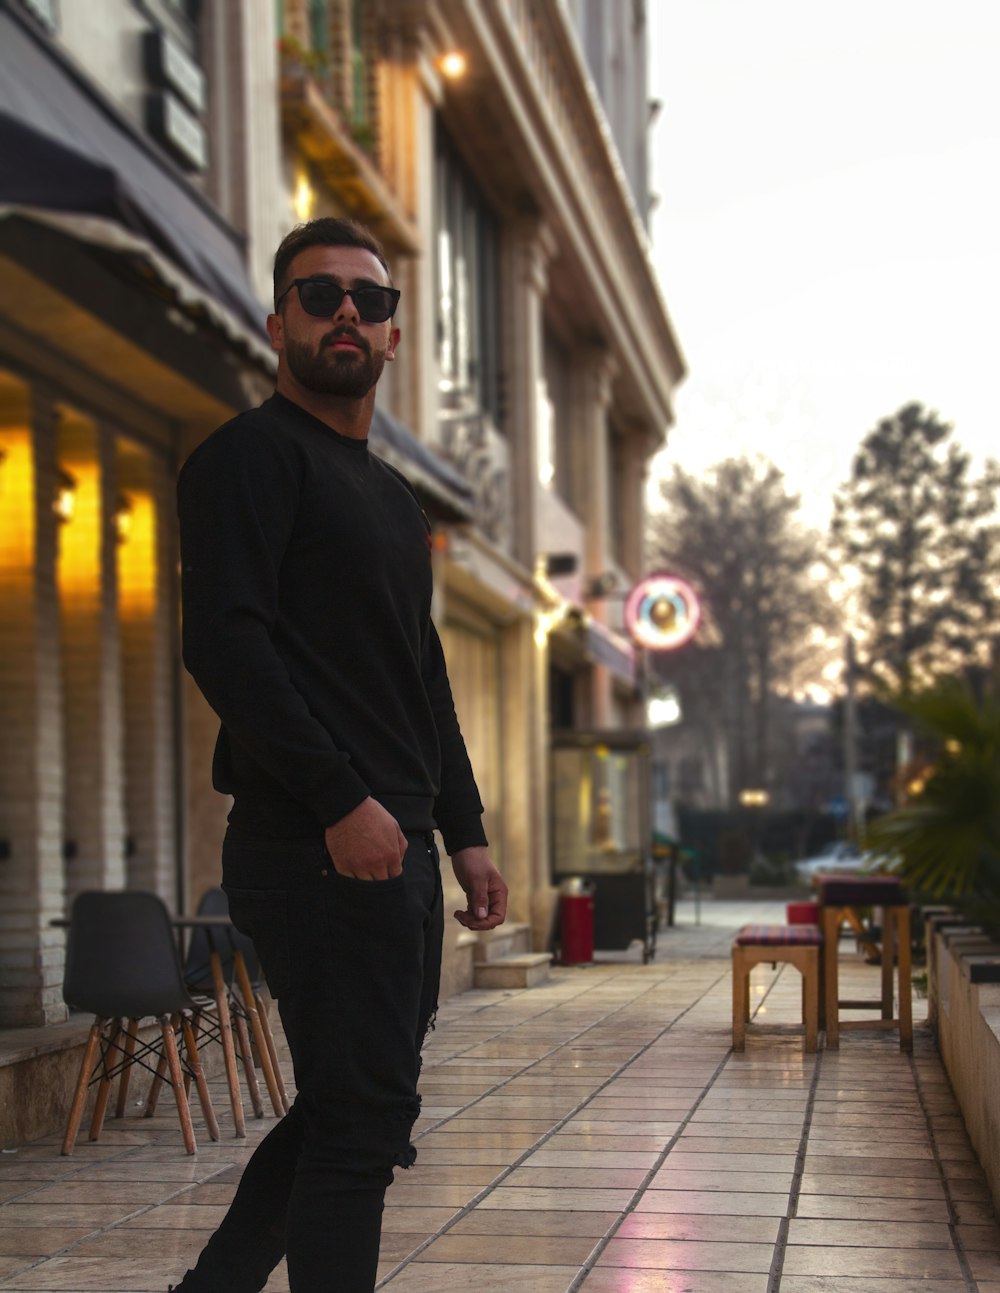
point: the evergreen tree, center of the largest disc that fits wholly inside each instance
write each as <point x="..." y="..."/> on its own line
<point x="734" y="534"/>
<point x="919" y="533"/>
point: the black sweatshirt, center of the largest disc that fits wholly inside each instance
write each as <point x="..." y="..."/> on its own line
<point x="306" y="580"/>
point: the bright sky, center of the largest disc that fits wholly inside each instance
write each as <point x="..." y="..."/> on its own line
<point x="828" y="227"/>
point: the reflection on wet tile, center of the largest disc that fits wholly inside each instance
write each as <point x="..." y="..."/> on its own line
<point x="714" y="1202"/>
<point x="699" y="1227"/>
<point x="655" y="1254"/>
<point x="593" y="1200"/>
<point x="516" y="1222"/>
<point x="537" y="1250"/>
<point x="440" y="1277"/>
<point x="605" y="1280"/>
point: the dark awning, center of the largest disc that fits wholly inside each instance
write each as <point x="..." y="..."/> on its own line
<point x="70" y="160"/>
<point x="64" y="149"/>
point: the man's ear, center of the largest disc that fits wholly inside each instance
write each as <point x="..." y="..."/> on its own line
<point x="276" y="331"/>
<point x="390" y="351"/>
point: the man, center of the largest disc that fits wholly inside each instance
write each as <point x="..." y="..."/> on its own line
<point x="307" y="592"/>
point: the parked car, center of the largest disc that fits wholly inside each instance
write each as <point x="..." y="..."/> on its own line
<point x="838" y="855"/>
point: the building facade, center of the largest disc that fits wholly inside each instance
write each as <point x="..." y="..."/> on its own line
<point x="158" y="151"/>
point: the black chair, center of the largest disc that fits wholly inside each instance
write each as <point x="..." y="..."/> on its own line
<point x="240" y="967"/>
<point x="122" y="964"/>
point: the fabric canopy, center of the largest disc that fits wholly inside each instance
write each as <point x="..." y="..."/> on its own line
<point x="64" y="149"/>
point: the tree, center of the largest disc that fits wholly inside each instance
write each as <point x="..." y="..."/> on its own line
<point x="734" y="534"/>
<point x="920" y="536"/>
<point x="946" y="840"/>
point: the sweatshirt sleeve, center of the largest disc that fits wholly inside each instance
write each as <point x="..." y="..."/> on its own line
<point x="237" y="497"/>
<point x="458" y="809"/>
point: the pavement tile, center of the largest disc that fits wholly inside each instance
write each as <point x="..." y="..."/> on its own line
<point x="630" y="1280"/>
<point x="579" y="1078"/>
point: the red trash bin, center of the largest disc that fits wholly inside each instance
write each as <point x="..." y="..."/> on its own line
<point x="576" y="923"/>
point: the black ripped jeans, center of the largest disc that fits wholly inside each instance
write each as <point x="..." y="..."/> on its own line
<point x="355" y="967"/>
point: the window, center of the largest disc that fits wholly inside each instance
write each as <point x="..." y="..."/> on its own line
<point x="359" y="67"/>
<point x="617" y="477"/>
<point x="467" y="248"/>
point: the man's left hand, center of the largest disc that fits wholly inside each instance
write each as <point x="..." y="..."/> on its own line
<point x="484" y="887"/>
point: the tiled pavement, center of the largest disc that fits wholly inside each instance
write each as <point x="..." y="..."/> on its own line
<point x="595" y="1133"/>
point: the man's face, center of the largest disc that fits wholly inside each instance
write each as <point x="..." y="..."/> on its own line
<point x="341" y="354"/>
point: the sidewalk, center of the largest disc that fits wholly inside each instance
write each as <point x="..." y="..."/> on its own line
<point x="594" y="1133"/>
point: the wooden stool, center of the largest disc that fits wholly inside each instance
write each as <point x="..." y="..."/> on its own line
<point x="798" y="945"/>
<point x="840" y="899"/>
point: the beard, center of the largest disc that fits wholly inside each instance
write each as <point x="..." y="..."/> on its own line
<point x="348" y="374"/>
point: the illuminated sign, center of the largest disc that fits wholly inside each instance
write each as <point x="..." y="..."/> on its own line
<point x="662" y="612"/>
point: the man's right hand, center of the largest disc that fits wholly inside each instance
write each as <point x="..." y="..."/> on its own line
<point x="367" y="844"/>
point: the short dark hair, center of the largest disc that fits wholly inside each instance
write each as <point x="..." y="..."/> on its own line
<point x="327" y="231"/>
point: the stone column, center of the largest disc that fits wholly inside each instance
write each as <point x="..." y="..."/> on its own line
<point x="245" y="179"/>
<point x="525" y="776"/>
<point x="94" y="829"/>
<point x="640" y="445"/>
<point x="410" y="96"/>
<point x="594" y="369"/>
<point x="31" y="761"/>
<point x="147" y="613"/>
<point x="528" y="247"/>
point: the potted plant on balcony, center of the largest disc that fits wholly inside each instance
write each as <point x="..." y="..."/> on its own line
<point x="298" y="62"/>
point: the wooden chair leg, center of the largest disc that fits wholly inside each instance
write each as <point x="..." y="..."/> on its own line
<point x="243" y="1037"/>
<point x="177" y="1083"/>
<point x="263" y="1054"/>
<point x="131" y="1033"/>
<point x="228" y="1049"/>
<point x="159" y="1077"/>
<point x="272" y="1051"/>
<point x="104" y="1085"/>
<point x="194" y="1064"/>
<point x="82" y="1083"/>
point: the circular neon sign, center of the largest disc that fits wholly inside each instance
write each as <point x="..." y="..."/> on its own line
<point x="662" y="612"/>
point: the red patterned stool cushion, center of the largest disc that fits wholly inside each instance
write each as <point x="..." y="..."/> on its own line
<point x="779" y="936"/>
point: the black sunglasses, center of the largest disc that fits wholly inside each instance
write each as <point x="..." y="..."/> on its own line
<point x="322" y="297"/>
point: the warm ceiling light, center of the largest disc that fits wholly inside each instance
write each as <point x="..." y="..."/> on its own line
<point x="123" y="518"/>
<point x="64" y="500"/>
<point x="304" y="198"/>
<point x="453" y="65"/>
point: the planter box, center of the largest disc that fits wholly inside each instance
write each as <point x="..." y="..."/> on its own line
<point x="965" y="1014"/>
